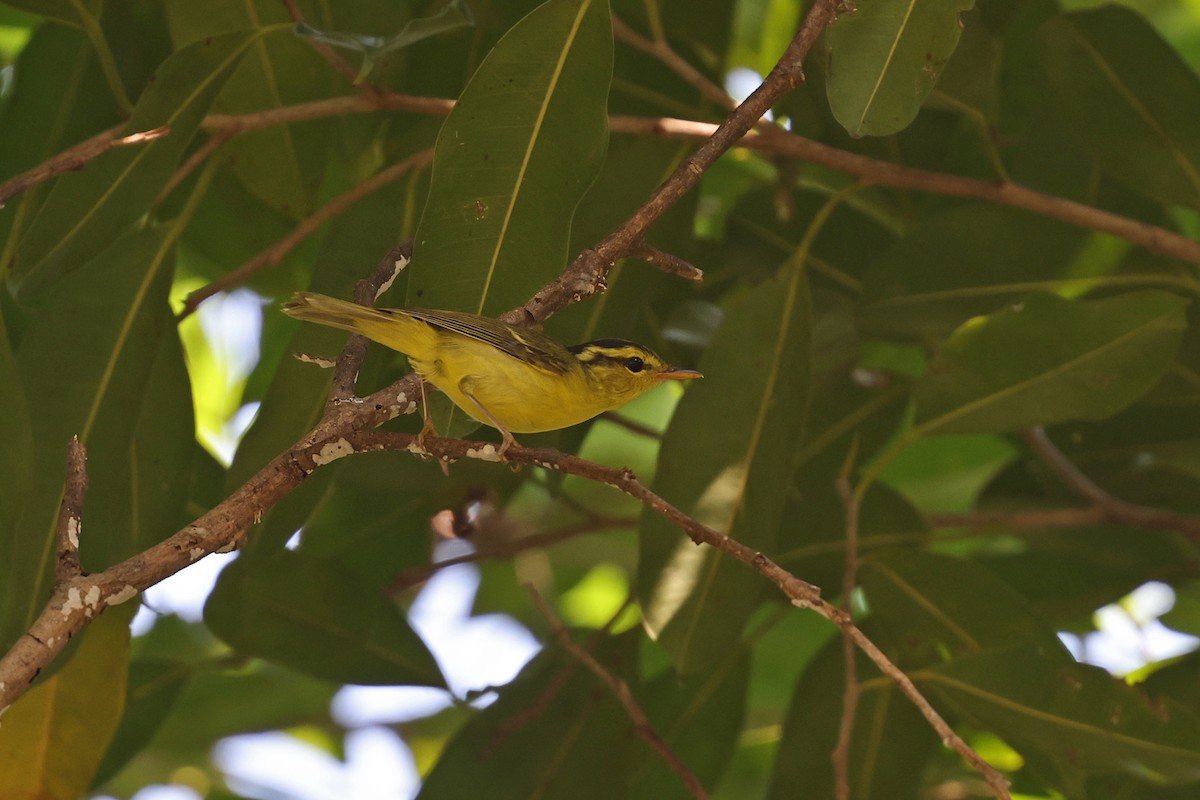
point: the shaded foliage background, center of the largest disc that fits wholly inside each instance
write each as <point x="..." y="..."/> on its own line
<point x="969" y="362"/>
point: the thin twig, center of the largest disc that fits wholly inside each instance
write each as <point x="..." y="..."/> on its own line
<point x="852" y="689"/>
<point x="668" y="263"/>
<point x="621" y="690"/>
<point x="508" y="548"/>
<point x="331" y="56"/>
<point x="587" y="272"/>
<point x="662" y="51"/>
<point x="1112" y="508"/>
<point x="274" y="255"/>
<point x="70" y="515"/>
<point x="202" y="154"/>
<point x="630" y="425"/>
<point x="74" y="158"/>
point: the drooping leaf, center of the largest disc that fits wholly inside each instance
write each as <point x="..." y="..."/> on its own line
<point x="88" y="378"/>
<point x="87" y="209"/>
<point x="1047" y="360"/>
<point x="313" y="616"/>
<point x="578" y="745"/>
<point x="968" y="260"/>
<point x="54" y="736"/>
<point x="724" y="469"/>
<point x="153" y="687"/>
<point x="1075" y="713"/>
<point x="57" y="90"/>
<point x="699" y="718"/>
<point x="15" y="432"/>
<point x="1128" y="97"/>
<point x="930" y="605"/>
<point x="885" y="58"/>
<point x="890" y="736"/>
<point x="521" y="147"/>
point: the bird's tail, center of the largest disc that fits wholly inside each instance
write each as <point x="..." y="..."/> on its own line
<point x="388" y="326"/>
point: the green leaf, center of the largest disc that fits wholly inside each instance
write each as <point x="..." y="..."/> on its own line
<point x="88" y="378"/>
<point x="1048" y="360"/>
<point x="15" y="432"/>
<point x="60" y="93"/>
<point x="521" y="147"/>
<point x="153" y="687"/>
<point x="968" y="260"/>
<point x="1075" y="713"/>
<point x="296" y="395"/>
<point x="284" y="164"/>
<point x="934" y="605"/>
<point x="890" y="736"/>
<point x="723" y="468"/>
<point x="1128" y="97"/>
<point x="88" y="209"/>
<point x="54" y="737"/>
<point x="579" y="744"/>
<point x="885" y="58"/>
<point x="313" y="616"/>
<point x="699" y="718"/>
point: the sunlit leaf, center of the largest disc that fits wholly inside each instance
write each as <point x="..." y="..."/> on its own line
<point x="54" y="737"/>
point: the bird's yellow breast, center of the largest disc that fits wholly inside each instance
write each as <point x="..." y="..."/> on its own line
<point x="522" y="397"/>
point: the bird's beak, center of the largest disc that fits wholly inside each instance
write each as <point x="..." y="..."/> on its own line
<point x="673" y="374"/>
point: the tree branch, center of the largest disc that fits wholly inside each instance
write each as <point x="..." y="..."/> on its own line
<point x="852" y="689"/>
<point x="274" y="255"/>
<point x="1109" y="508"/>
<point x="74" y="158"/>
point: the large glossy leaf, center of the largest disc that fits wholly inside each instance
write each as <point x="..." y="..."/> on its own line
<point x="930" y="605"/>
<point x="60" y="92"/>
<point x="699" y="718"/>
<point x="88" y="378"/>
<point x="968" y="260"/>
<point x="87" y="209"/>
<point x="885" y="58"/>
<point x="1048" y="360"/>
<point x="890" y="736"/>
<point x="281" y="69"/>
<point x="513" y="160"/>
<point x="1128" y="97"/>
<point x="15" y="432"/>
<point x="731" y="438"/>
<point x="153" y="687"/>
<point x="579" y="743"/>
<point x="1078" y="714"/>
<point x="311" y="615"/>
<point x="54" y="737"/>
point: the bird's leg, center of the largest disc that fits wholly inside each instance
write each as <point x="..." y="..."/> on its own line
<point x="427" y="428"/>
<point x="507" y="439"/>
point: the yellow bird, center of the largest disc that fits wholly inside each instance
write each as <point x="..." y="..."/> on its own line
<point x="514" y="379"/>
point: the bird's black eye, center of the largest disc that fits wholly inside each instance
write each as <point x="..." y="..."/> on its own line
<point x="634" y="364"/>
